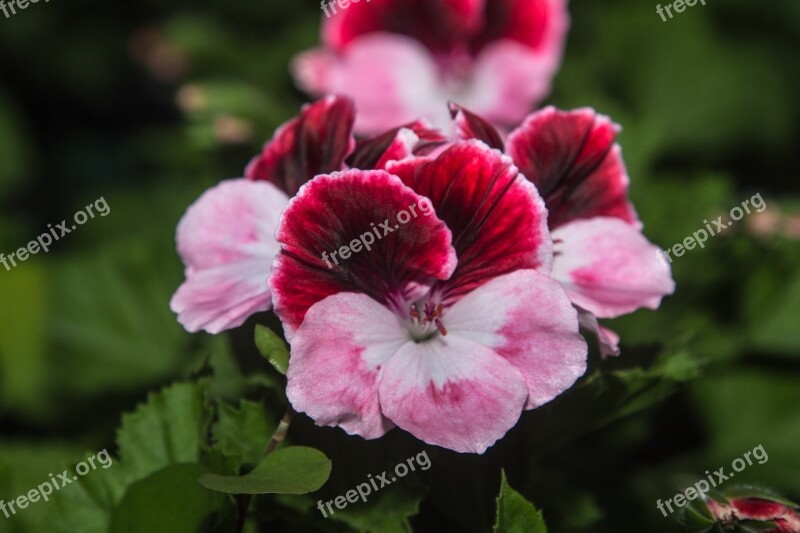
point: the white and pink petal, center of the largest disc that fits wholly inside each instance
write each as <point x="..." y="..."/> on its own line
<point x="337" y="357"/>
<point x="609" y="268"/>
<point x="528" y="320"/>
<point x="374" y="70"/>
<point x="452" y="392"/>
<point x="227" y="242"/>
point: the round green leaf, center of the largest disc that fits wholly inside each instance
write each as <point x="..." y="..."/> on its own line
<point x="292" y="470"/>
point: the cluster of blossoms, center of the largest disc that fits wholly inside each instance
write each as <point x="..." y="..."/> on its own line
<point x="452" y="325"/>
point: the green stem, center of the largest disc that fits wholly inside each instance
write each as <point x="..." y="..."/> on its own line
<point x="243" y="500"/>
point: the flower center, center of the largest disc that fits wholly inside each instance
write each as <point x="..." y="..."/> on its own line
<point x="426" y="320"/>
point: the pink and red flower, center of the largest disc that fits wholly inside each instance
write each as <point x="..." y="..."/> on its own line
<point x="227" y="238"/>
<point x="450" y="326"/>
<point x="404" y="59"/>
<point x="601" y="257"/>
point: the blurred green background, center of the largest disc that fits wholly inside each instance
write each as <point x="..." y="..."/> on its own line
<point x="148" y="103"/>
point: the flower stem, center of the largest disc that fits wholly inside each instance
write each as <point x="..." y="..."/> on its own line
<point x="243" y="500"/>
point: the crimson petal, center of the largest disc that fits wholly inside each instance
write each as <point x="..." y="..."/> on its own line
<point x="472" y="126"/>
<point x="316" y="142"/>
<point x="374" y="152"/>
<point x="498" y="220"/>
<point x="331" y="212"/>
<point x="439" y="24"/>
<point x="572" y="158"/>
<point x="530" y="22"/>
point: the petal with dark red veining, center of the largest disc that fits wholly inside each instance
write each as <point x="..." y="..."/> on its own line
<point x="331" y="212"/>
<point x="395" y="144"/>
<point x="498" y="220"/>
<point x="316" y="142"/>
<point x="472" y="126"/>
<point x="572" y="158"/>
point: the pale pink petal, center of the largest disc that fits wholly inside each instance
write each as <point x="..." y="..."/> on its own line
<point x="453" y="392"/>
<point x="337" y="356"/>
<point x="527" y="318"/>
<point x="223" y="297"/>
<point x="393" y="80"/>
<point x="609" y="268"/>
<point x="227" y="242"/>
<point x="507" y="80"/>
<point x="607" y="340"/>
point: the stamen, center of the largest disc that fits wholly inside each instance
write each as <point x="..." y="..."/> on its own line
<point x="440" y="327"/>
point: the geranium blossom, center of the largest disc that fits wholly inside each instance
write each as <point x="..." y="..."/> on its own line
<point x="450" y="326"/>
<point x="601" y="257"/>
<point x="227" y="238"/>
<point x="404" y="59"/>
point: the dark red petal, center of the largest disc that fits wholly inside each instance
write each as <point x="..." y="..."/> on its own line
<point x="760" y="509"/>
<point x="573" y="160"/>
<point x="441" y="25"/>
<point x="316" y="142"/>
<point x="525" y="21"/>
<point x="471" y="126"/>
<point x="330" y="212"/>
<point x="498" y="220"/>
<point x="375" y="152"/>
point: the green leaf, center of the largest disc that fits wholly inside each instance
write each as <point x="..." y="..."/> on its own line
<point x="243" y="433"/>
<point x="115" y="334"/>
<point x="272" y="348"/>
<point x="514" y="513"/>
<point x="170" y="501"/>
<point x="168" y="429"/>
<point x="292" y="470"/>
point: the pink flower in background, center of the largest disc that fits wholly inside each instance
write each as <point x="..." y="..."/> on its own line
<point x="404" y="59"/>
<point x="449" y="326"/>
<point x="601" y="258"/>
